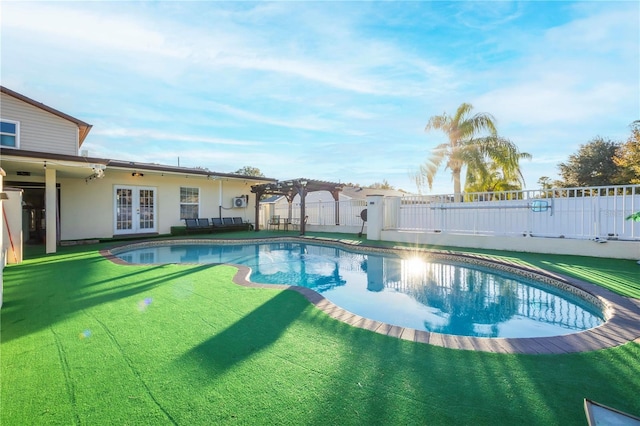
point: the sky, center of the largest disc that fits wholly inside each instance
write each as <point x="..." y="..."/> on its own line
<point x="335" y="91"/>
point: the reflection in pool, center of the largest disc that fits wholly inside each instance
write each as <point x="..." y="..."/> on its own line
<point x="451" y="298"/>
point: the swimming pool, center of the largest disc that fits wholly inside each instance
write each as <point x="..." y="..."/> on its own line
<point x="416" y="291"/>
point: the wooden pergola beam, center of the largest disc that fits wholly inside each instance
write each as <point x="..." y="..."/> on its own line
<point x="293" y="187"/>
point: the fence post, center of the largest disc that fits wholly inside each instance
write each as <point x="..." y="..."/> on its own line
<point x="375" y="216"/>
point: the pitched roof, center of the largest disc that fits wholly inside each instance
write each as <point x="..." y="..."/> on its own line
<point x="82" y="126"/>
<point x="126" y="165"/>
<point x="359" y="193"/>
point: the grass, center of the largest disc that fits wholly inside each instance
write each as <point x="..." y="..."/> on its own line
<point x="85" y="341"/>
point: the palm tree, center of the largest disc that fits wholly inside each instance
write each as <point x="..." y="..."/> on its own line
<point x="466" y="147"/>
<point x="491" y="177"/>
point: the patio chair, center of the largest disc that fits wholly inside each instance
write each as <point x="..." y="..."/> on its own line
<point x="241" y="224"/>
<point x="600" y="414"/>
<point x="192" y="225"/>
<point x="203" y="224"/>
<point x="274" y="221"/>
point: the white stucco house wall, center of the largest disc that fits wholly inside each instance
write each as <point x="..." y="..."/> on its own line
<point x="69" y="196"/>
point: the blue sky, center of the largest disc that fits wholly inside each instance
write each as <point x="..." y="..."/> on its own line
<point x="337" y="91"/>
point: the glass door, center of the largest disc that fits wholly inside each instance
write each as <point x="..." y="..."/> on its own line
<point x="135" y="210"/>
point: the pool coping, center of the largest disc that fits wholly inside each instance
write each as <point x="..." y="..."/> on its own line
<point x="622" y="314"/>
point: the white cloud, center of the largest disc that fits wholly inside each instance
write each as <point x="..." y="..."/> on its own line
<point x="543" y="103"/>
<point x="156" y="46"/>
<point x="301" y="121"/>
<point x="80" y="29"/>
<point x="169" y="137"/>
<point x="343" y="89"/>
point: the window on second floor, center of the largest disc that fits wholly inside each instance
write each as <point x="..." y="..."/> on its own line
<point x="9" y="134"/>
<point x="189" y="203"/>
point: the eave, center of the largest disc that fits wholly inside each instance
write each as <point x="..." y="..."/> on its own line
<point x="83" y="127"/>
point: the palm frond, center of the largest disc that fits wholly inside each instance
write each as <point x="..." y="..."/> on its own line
<point x="634" y="217"/>
<point x="484" y="121"/>
<point x="463" y="110"/>
<point x="438" y="122"/>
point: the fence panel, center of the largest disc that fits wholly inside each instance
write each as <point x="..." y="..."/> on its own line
<point x="566" y="213"/>
<point x="324" y="212"/>
<point x="580" y="213"/>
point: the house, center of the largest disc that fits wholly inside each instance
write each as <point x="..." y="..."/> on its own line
<point x="68" y="195"/>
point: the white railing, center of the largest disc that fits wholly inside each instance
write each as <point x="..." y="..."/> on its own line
<point x="563" y="213"/>
<point x="575" y="213"/>
<point x="320" y="212"/>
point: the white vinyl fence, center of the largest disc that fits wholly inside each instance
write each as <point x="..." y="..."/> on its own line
<point x="573" y="213"/>
<point x="577" y="213"/>
<point x="321" y="212"/>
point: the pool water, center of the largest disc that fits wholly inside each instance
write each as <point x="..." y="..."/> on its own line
<point x="451" y="298"/>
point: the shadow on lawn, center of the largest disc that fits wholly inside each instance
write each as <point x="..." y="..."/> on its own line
<point x="248" y="336"/>
<point x="39" y="295"/>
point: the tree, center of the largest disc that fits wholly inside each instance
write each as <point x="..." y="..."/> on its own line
<point x="249" y="171"/>
<point x="491" y="178"/>
<point x="545" y="182"/>
<point x="592" y="165"/>
<point x="466" y="147"/>
<point x="627" y="157"/>
<point x="381" y="185"/>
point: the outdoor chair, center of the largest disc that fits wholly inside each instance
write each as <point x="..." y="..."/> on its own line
<point x="241" y="224"/>
<point x="229" y="224"/>
<point x="274" y="221"/>
<point x="192" y="225"/>
<point x="203" y="224"/>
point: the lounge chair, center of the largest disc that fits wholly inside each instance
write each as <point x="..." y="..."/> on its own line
<point x="241" y="224"/>
<point x="599" y="414"/>
<point x="197" y="225"/>
<point x="203" y="224"/>
<point x="192" y="225"/>
<point x="229" y="224"/>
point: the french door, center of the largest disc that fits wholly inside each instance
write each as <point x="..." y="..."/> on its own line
<point x="135" y="209"/>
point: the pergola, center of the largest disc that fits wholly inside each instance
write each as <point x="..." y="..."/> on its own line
<point x="289" y="189"/>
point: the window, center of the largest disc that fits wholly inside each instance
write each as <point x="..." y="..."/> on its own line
<point x="189" y="203"/>
<point x="10" y="134"/>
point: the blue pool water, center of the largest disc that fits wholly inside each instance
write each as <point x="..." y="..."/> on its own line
<point x="451" y="298"/>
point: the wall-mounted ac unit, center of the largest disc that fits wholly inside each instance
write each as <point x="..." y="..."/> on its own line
<point x="239" y="202"/>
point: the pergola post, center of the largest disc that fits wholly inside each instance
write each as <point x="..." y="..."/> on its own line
<point x="336" y="197"/>
<point x="258" y="196"/>
<point x="302" y="191"/>
<point x="301" y="187"/>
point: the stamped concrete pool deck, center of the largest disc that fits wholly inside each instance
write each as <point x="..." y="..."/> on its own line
<point x="622" y="314"/>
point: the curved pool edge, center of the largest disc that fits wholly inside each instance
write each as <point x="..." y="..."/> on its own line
<point x="621" y="326"/>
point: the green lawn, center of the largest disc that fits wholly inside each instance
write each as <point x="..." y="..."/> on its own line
<point x="86" y="341"/>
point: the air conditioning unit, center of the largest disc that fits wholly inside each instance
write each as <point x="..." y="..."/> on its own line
<point x="239" y="202"/>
